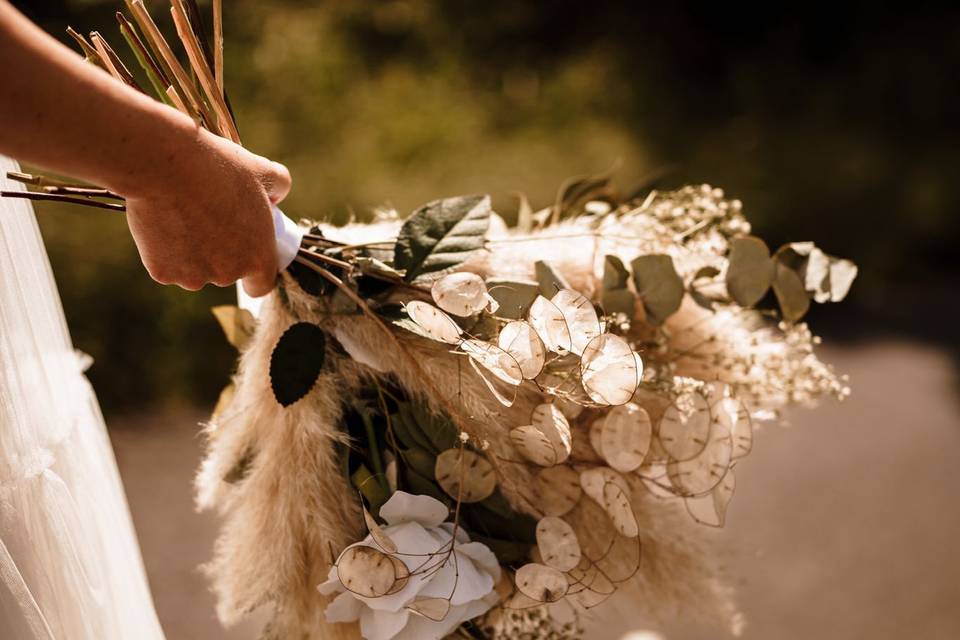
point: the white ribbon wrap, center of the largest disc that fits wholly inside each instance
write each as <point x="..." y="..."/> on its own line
<point x="288" y="234"/>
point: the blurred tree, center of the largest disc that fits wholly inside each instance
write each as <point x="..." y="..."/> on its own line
<point x="832" y="122"/>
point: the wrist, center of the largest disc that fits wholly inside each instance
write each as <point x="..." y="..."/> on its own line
<point x="163" y="147"/>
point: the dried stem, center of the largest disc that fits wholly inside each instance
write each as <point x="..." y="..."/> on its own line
<point x="184" y="87"/>
<point x="113" y="63"/>
<point x="218" y="43"/>
<point x="55" y="197"/>
<point x="201" y="68"/>
<point x="90" y="192"/>
<point x="154" y="73"/>
<point x="89" y="52"/>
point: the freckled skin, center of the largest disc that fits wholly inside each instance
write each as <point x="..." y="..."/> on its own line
<point x="198" y="206"/>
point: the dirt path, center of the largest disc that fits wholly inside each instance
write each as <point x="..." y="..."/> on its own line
<point x="846" y="524"/>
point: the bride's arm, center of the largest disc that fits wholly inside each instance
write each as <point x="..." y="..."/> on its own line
<point x="198" y="206"/>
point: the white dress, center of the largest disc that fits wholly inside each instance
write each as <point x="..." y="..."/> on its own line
<point x="70" y="567"/>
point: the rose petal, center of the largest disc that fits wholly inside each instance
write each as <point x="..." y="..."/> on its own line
<point x="406" y="507"/>
<point x="482" y="556"/>
<point x="332" y="585"/>
<point x="344" y="608"/>
<point x="382" y="625"/>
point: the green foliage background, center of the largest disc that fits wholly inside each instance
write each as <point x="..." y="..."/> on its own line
<point x="832" y="123"/>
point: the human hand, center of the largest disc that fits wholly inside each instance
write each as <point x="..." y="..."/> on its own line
<point x="205" y="215"/>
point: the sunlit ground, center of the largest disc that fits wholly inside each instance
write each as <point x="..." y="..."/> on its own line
<point x="845" y="524"/>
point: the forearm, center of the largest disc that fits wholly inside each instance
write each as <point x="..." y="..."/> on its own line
<point x="64" y="114"/>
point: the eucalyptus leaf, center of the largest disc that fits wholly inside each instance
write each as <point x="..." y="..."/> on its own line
<point x="419" y="485"/>
<point x="750" y="271"/>
<point x="513" y="296"/>
<point x="615" y="275"/>
<point x="826" y="277"/>
<point x="420" y="461"/>
<point x="296" y="362"/>
<point x="702" y="300"/>
<point x="415" y="429"/>
<point x="436" y="427"/>
<point x="706" y="272"/>
<point x="618" y="301"/>
<point x="616" y="297"/>
<point x="659" y="286"/>
<point x="791" y="294"/>
<point x="442" y="234"/>
<point x="368" y="485"/>
<point x="549" y="280"/>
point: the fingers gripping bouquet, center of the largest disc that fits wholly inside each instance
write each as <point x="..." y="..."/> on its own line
<point x="446" y="427"/>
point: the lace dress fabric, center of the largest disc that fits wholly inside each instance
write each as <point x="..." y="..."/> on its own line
<point x="70" y="567"/>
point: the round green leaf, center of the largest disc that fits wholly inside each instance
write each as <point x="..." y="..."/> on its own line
<point x="659" y="286"/>
<point x="791" y="295"/>
<point x="750" y="271"/>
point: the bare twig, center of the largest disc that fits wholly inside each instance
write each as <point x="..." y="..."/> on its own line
<point x="199" y="64"/>
<point x="112" y="62"/>
<point x="188" y="94"/>
<point x="154" y="73"/>
<point x="218" y="43"/>
<point x="89" y="192"/>
<point x="55" y="197"/>
<point x="89" y="52"/>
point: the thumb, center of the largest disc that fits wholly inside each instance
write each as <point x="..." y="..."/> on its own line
<point x="277" y="181"/>
<point x="259" y="284"/>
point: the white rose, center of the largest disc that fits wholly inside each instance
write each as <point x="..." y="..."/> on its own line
<point x="416" y="526"/>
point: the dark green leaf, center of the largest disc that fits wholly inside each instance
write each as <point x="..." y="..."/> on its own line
<point x="750" y="271"/>
<point x="616" y="297"/>
<point x="437" y="428"/>
<point x="706" y="272"/>
<point x="549" y="279"/>
<point x="419" y="485"/>
<point x="414" y="430"/>
<point x="309" y="280"/>
<point x="442" y="234"/>
<point x="615" y="275"/>
<point x="618" y="301"/>
<point x="701" y="299"/>
<point x="296" y="362"/>
<point x="372" y="490"/>
<point x="791" y="295"/>
<point x="513" y="296"/>
<point x="507" y="552"/>
<point x="420" y="461"/>
<point x="659" y="286"/>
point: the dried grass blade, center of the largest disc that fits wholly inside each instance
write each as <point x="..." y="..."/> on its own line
<point x="202" y="69"/>
<point x="90" y="192"/>
<point x="55" y="197"/>
<point x="150" y="67"/>
<point x="114" y="64"/>
<point x="89" y="52"/>
<point x="183" y="86"/>
<point x="218" y="44"/>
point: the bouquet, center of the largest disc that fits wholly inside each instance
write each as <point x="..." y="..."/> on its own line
<point x="445" y="427"/>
